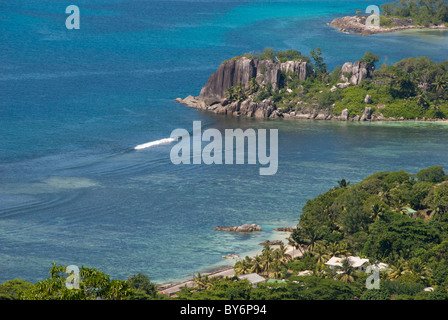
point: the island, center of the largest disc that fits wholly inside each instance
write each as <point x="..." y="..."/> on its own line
<point x="397" y="16"/>
<point x="287" y="84"/>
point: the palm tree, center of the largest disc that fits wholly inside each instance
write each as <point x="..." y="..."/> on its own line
<point x="275" y="270"/>
<point x="439" y="84"/>
<point x="339" y="249"/>
<point x="307" y="235"/>
<point x="398" y="269"/>
<point x="419" y="268"/>
<point x="422" y="101"/>
<point x="253" y="85"/>
<point x="257" y="265"/>
<point x="266" y="259"/>
<point x="348" y="272"/>
<point x="343" y="183"/>
<point x="377" y="211"/>
<point x="202" y="282"/>
<point x="297" y="244"/>
<point x="243" y="266"/>
<point x="320" y="253"/>
<point x="240" y="92"/>
<point x="282" y="255"/>
<point x="230" y="93"/>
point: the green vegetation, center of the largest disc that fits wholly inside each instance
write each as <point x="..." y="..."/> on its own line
<point x="422" y="12"/>
<point x="93" y="285"/>
<point x="271" y="263"/>
<point x="395" y="218"/>
<point x="271" y="54"/>
<point x="414" y="88"/>
<point x="392" y="217"/>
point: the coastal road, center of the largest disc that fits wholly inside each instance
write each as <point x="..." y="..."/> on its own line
<point x="227" y="272"/>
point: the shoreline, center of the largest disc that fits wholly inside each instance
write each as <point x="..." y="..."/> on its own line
<point x="170" y="288"/>
<point x="357" y="25"/>
<point x="198" y="103"/>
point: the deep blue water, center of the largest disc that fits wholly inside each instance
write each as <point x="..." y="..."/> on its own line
<point x="74" y="103"/>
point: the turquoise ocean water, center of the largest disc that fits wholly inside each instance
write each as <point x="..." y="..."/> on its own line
<point x="74" y="104"/>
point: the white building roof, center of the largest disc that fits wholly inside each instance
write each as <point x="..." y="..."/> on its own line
<point x="382" y="266"/>
<point x="252" y="277"/>
<point x="355" y="262"/>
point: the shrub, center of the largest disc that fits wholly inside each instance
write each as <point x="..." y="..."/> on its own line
<point x="431" y="174"/>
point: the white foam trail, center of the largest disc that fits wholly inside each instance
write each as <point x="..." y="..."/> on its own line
<point x="154" y="143"/>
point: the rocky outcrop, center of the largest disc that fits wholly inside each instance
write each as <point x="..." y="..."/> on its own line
<point x="247" y="102"/>
<point x="268" y="71"/>
<point x="234" y="71"/>
<point x="286" y="229"/>
<point x="344" y="115"/>
<point x="366" y="114"/>
<point x="271" y="243"/>
<point x="249" y="108"/>
<point x="354" y="73"/>
<point x="242" y="228"/>
<point x="229" y="74"/>
<point x="302" y="69"/>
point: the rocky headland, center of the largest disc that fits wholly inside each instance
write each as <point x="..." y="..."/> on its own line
<point x="267" y="88"/>
<point x="234" y="71"/>
<point x="357" y="25"/>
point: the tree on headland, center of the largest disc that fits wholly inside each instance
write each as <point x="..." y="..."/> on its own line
<point x="370" y="58"/>
<point x="343" y="183"/>
<point x="423" y="12"/>
<point x="318" y="63"/>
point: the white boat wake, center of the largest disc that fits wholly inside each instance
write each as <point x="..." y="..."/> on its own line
<point x="154" y="143"/>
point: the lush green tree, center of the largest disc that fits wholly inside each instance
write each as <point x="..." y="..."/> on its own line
<point x="418" y="194"/>
<point x="230" y="94"/>
<point x="348" y="272"/>
<point x="424" y="12"/>
<point x="142" y="287"/>
<point x="325" y="289"/>
<point x="11" y="289"/>
<point x="431" y="174"/>
<point x="375" y="294"/>
<point x="399" y="236"/>
<point x="93" y="285"/>
<point x="439" y="293"/>
<point x="371" y="59"/>
<point x="307" y="235"/>
<point x="343" y="183"/>
<point x="318" y="62"/>
<point x="220" y="289"/>
<point x="253" y="85"/>
<point x="440" y="274"/>
<point x="354" y="218"/>
<point x="268" y="53"/>
<point x="441" y="199"/>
